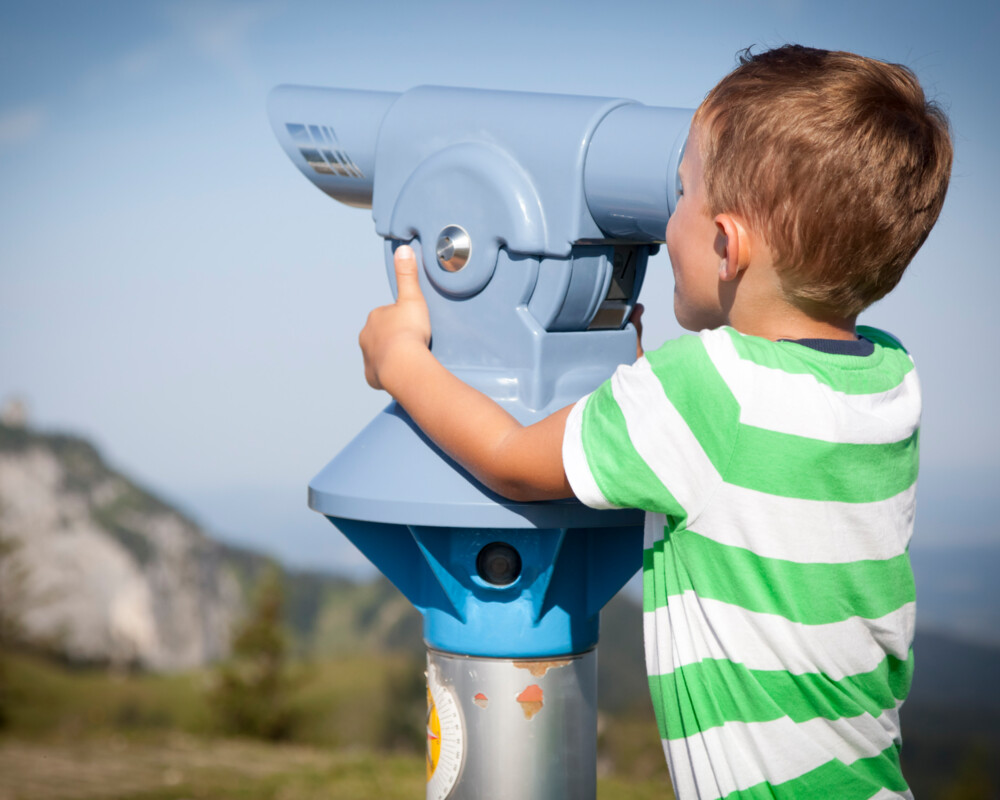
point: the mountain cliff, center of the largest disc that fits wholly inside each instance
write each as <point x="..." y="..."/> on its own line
<point x="99" y="568"/>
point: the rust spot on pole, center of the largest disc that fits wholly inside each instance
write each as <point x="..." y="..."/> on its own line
<point x="531" y="700"/>
<point x="539" y="668"/>
<point x="481" y="700"/>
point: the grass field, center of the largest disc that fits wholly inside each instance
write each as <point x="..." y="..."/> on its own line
<point x="84" y="734"/>
<point x="179" y="766"/>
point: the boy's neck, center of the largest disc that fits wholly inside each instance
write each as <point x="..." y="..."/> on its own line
<point x="819" y="330"/>
<point x="783" y="321"/>
<point x="756" y="305"/>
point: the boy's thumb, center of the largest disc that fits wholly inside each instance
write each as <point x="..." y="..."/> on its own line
<point x="407" y="280"/>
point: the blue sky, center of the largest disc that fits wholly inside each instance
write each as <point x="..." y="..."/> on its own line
<point x="173" y="288"/>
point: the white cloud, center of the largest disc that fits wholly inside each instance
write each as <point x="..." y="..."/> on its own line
<point x="215" y="31"/>
<point x="18" y="125"/>
<point x="219" y="32"/>
<point x="141" y="61"/>
<point x="137" y="64"/>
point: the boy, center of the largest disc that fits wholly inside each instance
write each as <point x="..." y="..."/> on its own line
<point x="775" y="452"/>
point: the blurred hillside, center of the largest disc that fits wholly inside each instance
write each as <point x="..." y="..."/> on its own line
<point x="101" y="570"/>
<point x="98" y="569"/>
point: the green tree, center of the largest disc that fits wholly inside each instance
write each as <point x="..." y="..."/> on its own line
<point x="252" y="694"/>
<point x="402" y="712"/>
<point x="13" y="592"/>
<point x="13" y="601"/>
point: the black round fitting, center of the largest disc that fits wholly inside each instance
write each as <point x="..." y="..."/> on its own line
<point x="498" y="564"/>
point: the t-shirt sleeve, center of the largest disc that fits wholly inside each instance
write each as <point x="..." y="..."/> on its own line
<point x="632" y="442"/>
<point x="603" y="465"/>
<point x="604" y="439"/>
<point x="581" y="479"/>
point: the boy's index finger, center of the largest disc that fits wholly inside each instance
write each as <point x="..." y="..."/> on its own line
<point x="407" y="275"/>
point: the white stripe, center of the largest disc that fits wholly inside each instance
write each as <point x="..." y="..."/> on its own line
<point x="581" y="479"/>
<point x="657" y="643"/>
<point x="661" y="436"/>
<point x="691" y="629"/>
<point x="653" y="532"/>
<point x="738" y="755"/>
<point x="802" y="405"/>
<point x="808" y="531"/>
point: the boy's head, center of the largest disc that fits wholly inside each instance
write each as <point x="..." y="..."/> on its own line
<point x="837" y="161"/>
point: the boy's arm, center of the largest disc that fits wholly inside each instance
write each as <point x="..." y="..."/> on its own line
<point x="518" y="462"/>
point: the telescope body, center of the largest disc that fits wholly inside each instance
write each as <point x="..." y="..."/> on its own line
<point x="533" y="217"/>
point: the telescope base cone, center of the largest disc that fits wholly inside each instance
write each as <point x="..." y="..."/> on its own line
<point x="391" y="472"/>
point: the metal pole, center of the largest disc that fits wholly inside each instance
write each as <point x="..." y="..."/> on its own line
<point x="505" y="729"/>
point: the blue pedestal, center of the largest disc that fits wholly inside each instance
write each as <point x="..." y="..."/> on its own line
<point x="423" y="521"/>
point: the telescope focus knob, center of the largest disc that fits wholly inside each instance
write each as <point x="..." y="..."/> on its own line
<point x="453" y="248"/>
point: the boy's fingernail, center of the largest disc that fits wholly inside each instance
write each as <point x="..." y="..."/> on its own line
<point x="405" y="251"/>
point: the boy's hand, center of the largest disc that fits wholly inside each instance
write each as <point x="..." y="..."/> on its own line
<point x="393" y="331"/>
<point x="636" y="319"/>
<point x="517" y="462"/>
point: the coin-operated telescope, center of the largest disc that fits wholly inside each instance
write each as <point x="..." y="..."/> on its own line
<point x="533" y="216"/>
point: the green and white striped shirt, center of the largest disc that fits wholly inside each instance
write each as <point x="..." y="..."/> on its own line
<point x="779" y="483"/>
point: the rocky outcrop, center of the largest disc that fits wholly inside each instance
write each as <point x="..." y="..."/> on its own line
<point x="102" y="570"/>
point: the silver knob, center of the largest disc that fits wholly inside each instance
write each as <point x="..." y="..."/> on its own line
<point x="453" y="248"/>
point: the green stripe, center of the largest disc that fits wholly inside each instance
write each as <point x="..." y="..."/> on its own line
<point x="812" y="594"/>
<point x="697" y="697"/>
<point x="650" y="578"/>
<point x="882" y="338"/>
<point x="659" y="706"/>
<point x="795" y="466"/>
<point x="834" y="779"/>
<point x="881" y="371"/>
<point x="695" y="388"/>
<point x="621" y="474"/>
<point x="654" y="585"/>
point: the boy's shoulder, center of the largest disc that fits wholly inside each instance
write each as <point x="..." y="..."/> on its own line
<point x="721" y="406"/>
<point x="723" y="360"/>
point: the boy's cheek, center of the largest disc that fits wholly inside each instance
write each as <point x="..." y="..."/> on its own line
<point x="696" y="310"/>
<point x="683" y="313"/>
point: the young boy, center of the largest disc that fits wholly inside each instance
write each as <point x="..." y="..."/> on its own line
<point x="775" y="452"/>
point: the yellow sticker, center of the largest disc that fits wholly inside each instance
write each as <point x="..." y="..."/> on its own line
<point x="433" y="736"/>
<point x="445" y="738"/>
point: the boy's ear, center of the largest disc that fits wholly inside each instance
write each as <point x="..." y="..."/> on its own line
<point x="735" y="245"/>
